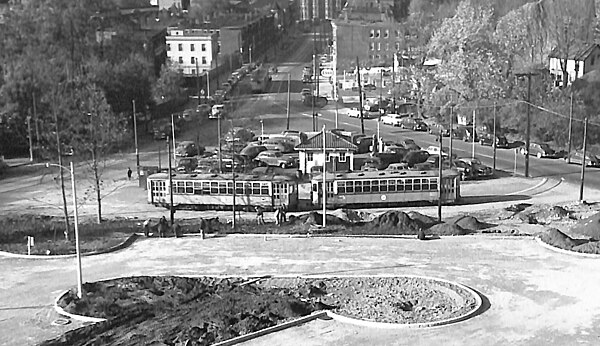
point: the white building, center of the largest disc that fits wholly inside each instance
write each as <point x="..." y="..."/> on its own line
<point x="192" y="50"/>
<point x="581" y="59"/>
<point x="338" y="156"/>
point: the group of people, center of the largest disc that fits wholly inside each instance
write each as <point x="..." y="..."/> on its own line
<point x="280" y="215"/>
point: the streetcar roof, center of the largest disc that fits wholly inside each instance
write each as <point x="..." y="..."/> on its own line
<point x="223" y="176"/>
<point x="384" y="174"/>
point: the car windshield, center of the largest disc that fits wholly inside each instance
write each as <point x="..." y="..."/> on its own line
<point x="545" y="146"/>
<point x="476" y="161"/>
<point x="277" y="154"/>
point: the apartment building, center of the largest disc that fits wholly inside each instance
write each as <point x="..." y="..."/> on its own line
<point x="193" y="51"/>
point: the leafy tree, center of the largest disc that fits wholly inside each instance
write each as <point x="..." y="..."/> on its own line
<point x="169" y="85"/>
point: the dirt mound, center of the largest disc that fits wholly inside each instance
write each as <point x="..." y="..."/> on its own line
<point x="554" y="213"/>
<point x="469" y="223"/>
<point x="424" y="220"/>
<point x="516" y="208"/>
<point x="447" y="229"/>
<point x="592" y="247"/>
<point x="353" y="216"/>
<point x="589" y="227"/>
<point x="557" y="238"/>
<point x="392" y="222"/>
<point x="314" y="218"/>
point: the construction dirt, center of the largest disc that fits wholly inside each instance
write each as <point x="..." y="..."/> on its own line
<point x="202" y="311"/>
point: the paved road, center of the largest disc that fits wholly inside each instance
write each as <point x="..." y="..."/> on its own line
<point x="536" y="297"/>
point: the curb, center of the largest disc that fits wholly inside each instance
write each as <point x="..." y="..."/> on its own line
<point x="130" y="240"/>
<point x="386" y="325"/>
<point x="279" y="327"/>
<point x="544" y="180"/>
<point x="565" y="252"/>
<point x="81" y="318"/>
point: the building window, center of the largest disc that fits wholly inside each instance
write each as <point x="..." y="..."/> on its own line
<point x="397" y="33"/>
<point x="181" y="60"/>
<point x="377" y="33"/>
<point x="168" y="47"/>
<point x="372" y="33"/>
<point x="193" y="61"/>
<point x="378" y="45"/>
<point x="377" y="56"/>
<point x="386" y="33"/>
<point x="387" y="46"/>
<point x="397" y="45"/>
<point x="204" y="47"/>
<point x="371" y="45"/>
<point x="180" y="47"/>
<point x="309" y="157"/>
<point x="327" y="157"/>
<point x="342" y="157"/>
<point x="203" y="60"/>
<point x="192" y="47"/>
<point x="193" y="71"/>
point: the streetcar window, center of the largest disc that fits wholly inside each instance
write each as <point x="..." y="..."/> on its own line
<point x="239" y="188"/>
<point x="247" y="189"/>
<point x="425" y="184"/>
<point x="417" y="185"/>
<point x="375" y="186"/>
<point x="206" y="188"/>
<point x="408" y="184"/>
<point x="197" y="188"/>
<point x="222" y="187"/>
<point x="383" y="185"/>
<point x="358" y="187"/>
<point x="214" y="188"/>
<point x="400" y="185"/>
<point x="180" y="187"/>
<point x="391" y="185"/>
<point x="189" y="187"/>
<point x="256" y="188"/>
<point x="230" y="188"/>
<point x="433" y="184"/>
<point x="349" y="187"/>
<point x="366" y="186"/>
<point x="264" y="189"/>
<point x="341" y="186"/>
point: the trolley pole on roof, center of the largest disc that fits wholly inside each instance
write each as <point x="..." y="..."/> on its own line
<point x="324" y="178"/>
<point x="441" y="159"/>
<point x="171" y="211"/>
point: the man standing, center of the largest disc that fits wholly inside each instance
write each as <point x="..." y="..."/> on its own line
<point x="259" y="215"/>
<point x="129" y="173"/>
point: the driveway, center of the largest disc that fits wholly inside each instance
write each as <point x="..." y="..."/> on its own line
<point x="536" y="296"/>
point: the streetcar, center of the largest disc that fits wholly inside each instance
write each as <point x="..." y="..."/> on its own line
<point x="377" y="189"/>
<point x="215" y="191"/>
<point x="373" y="189"/>
<point x="260" y="79"/>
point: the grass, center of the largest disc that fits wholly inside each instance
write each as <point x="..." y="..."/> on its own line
<point x="48" y="233"/>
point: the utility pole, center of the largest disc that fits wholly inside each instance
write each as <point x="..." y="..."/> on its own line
<point x="197" y="81"/>
<point x="570" y="128"/>
<point x="441" y="160"/>
<point x="528" y="131"/>
<point x="137" y="152"/>
<point x="360" y="101"/>
<point x="219" y="140"/>
<point x="287" y="126"/>
<point x="30" y="139"/>
<point x="171" y="211"/>
<point x="394" y="82"/>
<point x="62" y="178"/>
<point x="494" y="141"/>
<point x="324" y="178"/>
<point x="312" y="94"/>
<point x="583" y="163"/>
<point x="233" y="173"/>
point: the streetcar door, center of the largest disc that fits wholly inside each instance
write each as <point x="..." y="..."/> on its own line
<point x="280" y="194"/>
<point x="158" y="191"/>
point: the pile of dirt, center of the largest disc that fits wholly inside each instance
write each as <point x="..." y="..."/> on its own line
<point x="517" y="208"/>
<point x="589" y="227"/>
<point x="469" y="223"/>
<point x="448" y="229"/>
<point x="558" y="239"/>
<point x="554" y="213"/>
<point x="592" y="247"/>
<point x="353" y="216"/>
<point x="392" y="222"/>
<point x="424" y="220"/>
<point x="172" y="310"/>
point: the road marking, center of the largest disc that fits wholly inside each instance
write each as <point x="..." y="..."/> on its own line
<point x="529" y="188"/>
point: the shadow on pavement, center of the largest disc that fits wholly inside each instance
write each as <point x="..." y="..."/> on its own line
<point x="465" y="200"/>
<point x="359" y="269"/>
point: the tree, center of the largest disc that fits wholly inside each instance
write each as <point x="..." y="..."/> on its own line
<point x="169" y="85"/>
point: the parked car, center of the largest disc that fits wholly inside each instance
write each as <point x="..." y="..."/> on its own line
<point x="392" y="119"/>
<point x="436" y="129"/>
<point x="435" y="150"/>
<point x="464" y="169"/>
<point x="539" y="149"/>
<point x="369" y="87"/>
<point x="305" y="92"/>
<point x="410" y="144"/>
<point x="354" y="112"/>
<point x="252" y="150"/>
<point x="488" y="139"/>
<point x="217" y="111"/>
<point x="465" y="133"/>
<point x="275" y="158"/>
<point x="407" y="123"/>
<point x="434" y="161"/>
<point x="478" y="169"/>
<point x="186" y="164"/>
<point x="187" y="149"/>
<point x="275" y="145"/>
<point x="203" y="110"/>
<point x="577" y="158"/>
<point x="395" y="149"/>
<point x="414" y="157"/>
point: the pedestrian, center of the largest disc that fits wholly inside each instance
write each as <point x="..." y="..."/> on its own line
<point x="147" y="228"/>
<point x="259" y="215"/>
<point x="283" y="215"/>
<point x="129" y="173"/>
<point x="278" y="216"/>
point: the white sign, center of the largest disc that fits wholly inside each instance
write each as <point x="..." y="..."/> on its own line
<point x="327" y="72"/>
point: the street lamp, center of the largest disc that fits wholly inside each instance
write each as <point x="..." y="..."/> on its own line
<point x="76" y="221"/>
<point x="262" y="130"/>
